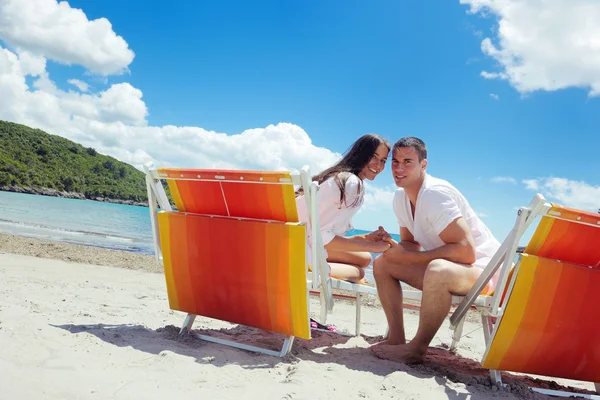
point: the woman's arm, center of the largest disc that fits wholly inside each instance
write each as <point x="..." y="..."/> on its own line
<point x="345" y="243"/>
<point x="335" y="214"/>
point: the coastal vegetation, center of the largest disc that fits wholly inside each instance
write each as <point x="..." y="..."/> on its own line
<point x="33" y="161"/>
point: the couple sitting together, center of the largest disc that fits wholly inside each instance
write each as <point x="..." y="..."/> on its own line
<point x="443" y="245"/>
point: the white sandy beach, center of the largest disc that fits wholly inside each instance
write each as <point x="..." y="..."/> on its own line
<point x="81" y="331"/>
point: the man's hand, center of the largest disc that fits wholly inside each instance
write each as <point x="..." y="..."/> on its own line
<point x="391" y="241"/>
<point x="397" y="253"/>
<point x="380" y="246"/>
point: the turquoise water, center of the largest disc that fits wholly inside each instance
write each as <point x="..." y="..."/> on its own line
<point x="87" y="222"/>
<point x="114" y="226"/>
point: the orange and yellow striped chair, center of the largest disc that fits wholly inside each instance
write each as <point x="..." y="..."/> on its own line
<point x="545" y="318"/>
<point x="233" y="249"/>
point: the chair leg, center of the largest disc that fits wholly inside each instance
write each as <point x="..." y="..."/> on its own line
<point x="486" y="321"/>
<point x="496" y="378"/>
<point x="285" y="349"/>
<point x="323" y="309"/>
<point x="287" y="346"/>
<point x="187" y="324"/>
<point x="358" y="305"/>
<point x="457" y="334"/>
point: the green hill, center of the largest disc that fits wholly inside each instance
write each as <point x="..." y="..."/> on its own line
<point x="33" y="161"/>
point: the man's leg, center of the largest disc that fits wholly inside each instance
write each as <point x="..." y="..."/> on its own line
<point x="387" y="276"/>
<point x="441" y="280"/>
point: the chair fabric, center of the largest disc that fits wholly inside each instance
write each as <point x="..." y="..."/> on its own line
<point x="245" y="272"/>
<point x="551" y="324"/>
<point x="230" y="193"/>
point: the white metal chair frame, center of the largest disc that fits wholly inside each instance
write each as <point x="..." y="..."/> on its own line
<point x="491" y="308"/>
<point x="320" y="274"/>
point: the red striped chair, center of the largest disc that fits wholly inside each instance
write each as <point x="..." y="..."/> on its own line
<point x="544" y="317"/>
<point x="233" y="249"/>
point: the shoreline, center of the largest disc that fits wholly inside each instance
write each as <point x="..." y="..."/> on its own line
<point x="42" y="191"/>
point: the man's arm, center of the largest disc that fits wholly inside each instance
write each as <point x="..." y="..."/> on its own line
<point x="407" y="240"/>
<point x="459" y="247"/>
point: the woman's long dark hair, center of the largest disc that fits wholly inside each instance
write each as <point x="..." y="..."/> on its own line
<point x="353" y="162"/>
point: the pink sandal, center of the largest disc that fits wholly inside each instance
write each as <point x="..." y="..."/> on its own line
<point x="317" y="325"/>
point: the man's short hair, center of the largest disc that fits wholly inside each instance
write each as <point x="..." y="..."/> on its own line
<point x="411" y="141"/>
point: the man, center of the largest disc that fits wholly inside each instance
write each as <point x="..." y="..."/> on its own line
<point x="443" y="249"/>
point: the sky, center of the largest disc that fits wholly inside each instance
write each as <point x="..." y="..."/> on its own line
<point x="505" y="93"/>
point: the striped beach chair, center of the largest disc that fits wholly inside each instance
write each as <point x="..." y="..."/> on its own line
<point x="233" y="249"/>
<point x="544" y="317"/>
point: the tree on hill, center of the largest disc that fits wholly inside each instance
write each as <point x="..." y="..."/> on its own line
<point x="31" y="158"/>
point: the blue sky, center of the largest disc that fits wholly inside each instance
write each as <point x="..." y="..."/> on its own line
<point x="505" y="99"/>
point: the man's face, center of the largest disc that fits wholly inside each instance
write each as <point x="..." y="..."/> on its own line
<point x="407" y="170"/>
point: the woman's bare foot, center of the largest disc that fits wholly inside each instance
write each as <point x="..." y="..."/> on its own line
<point x="402" y="353"/>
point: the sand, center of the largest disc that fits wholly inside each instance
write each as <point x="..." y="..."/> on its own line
<point x="77" y="253"/>
<point x="73" y="330"/>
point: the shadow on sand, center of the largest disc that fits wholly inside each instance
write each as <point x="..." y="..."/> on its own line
<point x="441" y="365"/>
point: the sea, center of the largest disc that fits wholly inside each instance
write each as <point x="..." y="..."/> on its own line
<point x="86" y="222"/>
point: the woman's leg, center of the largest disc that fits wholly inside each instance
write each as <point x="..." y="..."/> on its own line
<point x="349" y="266"/>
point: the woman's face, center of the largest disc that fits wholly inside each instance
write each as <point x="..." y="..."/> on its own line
<point x="376" y="164"/>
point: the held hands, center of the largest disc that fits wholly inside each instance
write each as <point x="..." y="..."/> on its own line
<point x="380" y="246"/>
<point x="378" y="235"/>
<point x="382" y="240"/>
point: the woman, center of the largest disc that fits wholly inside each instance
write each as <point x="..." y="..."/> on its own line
<point x="341" y="194"/>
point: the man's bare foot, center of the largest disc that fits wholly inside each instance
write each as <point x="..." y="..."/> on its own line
<point x="403" y="353"/>
<point x="388" y="342"/>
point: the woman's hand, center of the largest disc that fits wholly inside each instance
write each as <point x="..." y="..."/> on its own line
<point x="378" y="235"/>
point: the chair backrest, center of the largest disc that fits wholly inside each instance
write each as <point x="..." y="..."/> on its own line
<point x="234" y="249"/>
<point x="267" y="195"/>
<point x="569" y="235"/>
<point x="551" y="324"/>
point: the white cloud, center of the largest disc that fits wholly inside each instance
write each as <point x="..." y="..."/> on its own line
<point x="531" y="184"/>
<point x="544" y="44"/>
<point x="494" y="75"/>
<point x="32" y="64"/>
<point x="122" y="102"/>
<point x="377" y="197"/>
<point x="45" y="84"/>
<point x="377" y="209"/>
<point x="81" y="85"/>
<point x="63" y="34"/>
<point x="114" y="121"/>
<point x="577" y="194"/>
<point x="504" y="179"/>
<point x="494" y="96"/>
